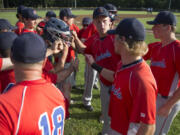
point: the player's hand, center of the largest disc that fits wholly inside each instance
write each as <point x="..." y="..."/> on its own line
<point x="57" y="46"/>
<point x="89" y="59"/>
<point x="74" y="34"/>
<point x="164" y="111"/>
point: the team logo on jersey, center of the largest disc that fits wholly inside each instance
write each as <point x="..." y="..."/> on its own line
<point x="161" y="64"/>
<point x="116" y="92"/>
<point x="102" y="56"/>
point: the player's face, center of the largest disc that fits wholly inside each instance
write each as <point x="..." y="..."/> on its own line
<point x="117" y="45"/>
<point x="102" y="24"/>
<point x="159" y="30"/>
<point x="70" y="21"/>
<point x="30" y="23"/>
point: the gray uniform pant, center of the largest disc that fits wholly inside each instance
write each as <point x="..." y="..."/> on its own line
<point x="104" y="95"/>
<point x="90" y="77"/>
<point x="163" y="123"/>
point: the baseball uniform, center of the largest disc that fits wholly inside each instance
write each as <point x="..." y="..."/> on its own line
<point x="91" y="30"/>
<point x="165" y="66"/>
<point x="6" y="77"/>
<point x="102" y="49"/>
<point x="26" y="30"/>
<point x="20" y="27"/>
<point x="133" y="97"/>
<point x="24" y="109"/>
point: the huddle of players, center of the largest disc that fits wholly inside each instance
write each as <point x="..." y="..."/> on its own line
<point x="135" y="98"/>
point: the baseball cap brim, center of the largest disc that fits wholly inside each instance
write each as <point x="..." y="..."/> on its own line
<point x="34" y="17"/>
<point x="151" y="22"/>
<point x="111" y="32"/>
<point x="72" y="16"/>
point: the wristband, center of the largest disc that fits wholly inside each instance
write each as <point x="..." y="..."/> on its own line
<point x="97" y="67"/>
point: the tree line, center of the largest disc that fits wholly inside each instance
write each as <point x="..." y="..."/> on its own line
<point x="155" y="4"/>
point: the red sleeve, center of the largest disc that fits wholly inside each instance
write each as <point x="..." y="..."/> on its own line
<point x="49" y="76"/>
<point x="177" y="56"/>
<point x="1" y="61"/>
<point x="150" y="50"/>
<point x="75" y="28"/>
<point x="88" y="44"/>
<point x="144" y="99"/>
<point x="90" y="30"/>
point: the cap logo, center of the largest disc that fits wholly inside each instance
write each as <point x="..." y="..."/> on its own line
<point x="130" y="37"/>
<point x="100" y="10"/>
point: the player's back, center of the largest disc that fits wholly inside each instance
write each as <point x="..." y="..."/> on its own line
<point x="32" y="107"/>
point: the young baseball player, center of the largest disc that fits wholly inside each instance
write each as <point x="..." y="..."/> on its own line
<point x="19" y="23"/>
<point x="101" y="46"/>
<point x="90" y="74"/>
<point x="132" y="105"/>
<point x="29" y="18"/>
<point x="165" y="66"/>
<point x="32" y="105"/>
<point x="6" y="42"/>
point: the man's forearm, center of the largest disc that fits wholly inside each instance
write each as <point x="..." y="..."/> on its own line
<point x="79" y="45"/>
<point x="146" y="129"/>
<point x="6" y="64"/>
<point x="64" y="74"/>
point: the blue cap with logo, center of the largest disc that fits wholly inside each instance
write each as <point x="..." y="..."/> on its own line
<point x="86" y="21"/>
<point x="30" y="13"/>
<point x="50" y="14"/>
<point x="66" y="12"/>
<point x="100" y="11"/>
<point x="5" y="24"/>
<point x="164" y="17"/>
<point x="130" y="28"/>
<point x="6" y="40"/>
<point x="29" y="48"/>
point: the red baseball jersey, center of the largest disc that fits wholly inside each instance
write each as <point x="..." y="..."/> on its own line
<point x="103" y="52"/>
<point x="20" y="27"/>
<point x="165" y="66"/>
<point x="81" y="33"/>
<point x="46" y="74"/>
<point x="71" y="52"/>
<point x="32" y="107"/>
<point x="6" y="77"/>
<point x="26" y="30"/>
<point x="133" y="97"/>
<point x="90" y="30"/>
<point x="1" y="61"/>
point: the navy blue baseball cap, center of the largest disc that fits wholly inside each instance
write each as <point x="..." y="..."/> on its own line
<point x="20" y="9"/>
<point x="100" y="11"/>
<point x="164" y="17"/>
<point x="29" y="13"/>
<point x="5" y="24"/>
<point x="131" y="28"/>
<point x="66" y="12"/>
<point x="50" y="14"/>
<point x="110" y="7"/>
<point x="86" y="21"/>
<point x="6" y="40"/>
<point x="28" y="48"/>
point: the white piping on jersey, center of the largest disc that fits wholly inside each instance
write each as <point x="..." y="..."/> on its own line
<point x="174" y="84"/>
<point x="22" y="103"/>
<point x="130" y="91"/>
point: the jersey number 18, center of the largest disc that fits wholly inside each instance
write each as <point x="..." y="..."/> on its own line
<point x="57" y="117"/>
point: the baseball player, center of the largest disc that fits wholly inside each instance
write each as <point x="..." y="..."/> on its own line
<point x="19" y="23"/>
<point x="91" y="78"/>
<point x="165" y="66"/>
<point x="101" y="46"/>
<point x="32" y="105"/>
<point x="29" y="18"/>
<point x="132" y="105"/>
<point x="6" y="42"/>
<point x="67" y="16"/>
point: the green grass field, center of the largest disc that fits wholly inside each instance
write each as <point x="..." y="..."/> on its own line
<point x="82" y="122"/>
